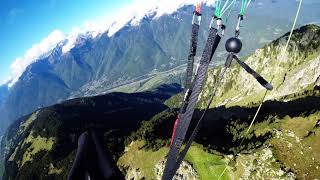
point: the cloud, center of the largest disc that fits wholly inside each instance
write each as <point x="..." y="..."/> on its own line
<point x="140" y="8"/>
<point x="72" y="38"/>
<point x="133" y="13"/>
<point x="37" y="50"/>
<point x="13" y="14"/>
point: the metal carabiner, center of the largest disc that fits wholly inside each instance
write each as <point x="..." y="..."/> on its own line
<point x="240" y="19"/>
<point x="219" y="24"/>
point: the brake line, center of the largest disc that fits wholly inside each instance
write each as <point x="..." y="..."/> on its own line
<point x="282" y="56"/>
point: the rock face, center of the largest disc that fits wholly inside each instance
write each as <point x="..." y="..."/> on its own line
<point x="260" y="165"/>
<point x="134" y="174"/>
<point x="185" y="171"/>
<point x="292" y="73"/>
<point x="4" y="92"/>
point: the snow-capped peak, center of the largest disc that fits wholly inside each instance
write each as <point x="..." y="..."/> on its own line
<point x="132" y="15"/>
<point x="37" y="50"/>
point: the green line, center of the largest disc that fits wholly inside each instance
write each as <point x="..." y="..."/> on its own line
<point x="243" y="7"/>
<point x="282" y="56"/>
<point x="218" y="9"/>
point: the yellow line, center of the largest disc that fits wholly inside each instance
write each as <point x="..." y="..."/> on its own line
<point x="282" y="56"/>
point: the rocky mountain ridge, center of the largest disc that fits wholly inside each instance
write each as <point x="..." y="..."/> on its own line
<point x="297" y="72"/>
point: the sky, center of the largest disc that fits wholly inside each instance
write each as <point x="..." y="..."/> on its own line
<point x="24" y="23"/>
<point x="30" y="28"/>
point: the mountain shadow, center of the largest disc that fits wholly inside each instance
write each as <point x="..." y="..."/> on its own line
<point x="48" y="137"/>
<point x="223" y="128"/>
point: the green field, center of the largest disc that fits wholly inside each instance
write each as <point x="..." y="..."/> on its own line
<point x="208" y="166"/>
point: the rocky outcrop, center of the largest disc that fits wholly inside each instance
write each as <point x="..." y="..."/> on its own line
<point x="260" y="165"/>
<point x="185" y="171"/>
<point x="291" y="72"/>
<point x="134" y="174"/>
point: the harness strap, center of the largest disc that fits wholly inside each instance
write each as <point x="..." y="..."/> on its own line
<point x="191" y="99"/>
<point x="192" y="54"/>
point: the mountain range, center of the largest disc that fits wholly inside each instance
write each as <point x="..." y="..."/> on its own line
<point x="282" y="144"/>
<point x="139" y="56"/>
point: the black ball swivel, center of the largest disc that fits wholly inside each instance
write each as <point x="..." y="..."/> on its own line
<point x="233" y="45"/>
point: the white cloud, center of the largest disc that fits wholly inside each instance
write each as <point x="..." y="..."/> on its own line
<point x="132" y="13"/>
<point x="72" y="37"/>
<point x="37" y="50"/>
<point x="96" y="27"/>
<point x="140" y="8"/>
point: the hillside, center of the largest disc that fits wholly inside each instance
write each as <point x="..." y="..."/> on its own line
<point x="284" y="141"/>
<point x="298" y="71"/>
<point x="47" y="139"/>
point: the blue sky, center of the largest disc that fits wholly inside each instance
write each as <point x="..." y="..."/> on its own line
<point x="26" y="22"/>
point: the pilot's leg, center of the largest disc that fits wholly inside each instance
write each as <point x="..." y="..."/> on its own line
<point x="107" y="167"/>
<point x="78" y="170"/>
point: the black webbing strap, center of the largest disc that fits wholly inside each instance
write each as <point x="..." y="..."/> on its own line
<point x="192" y="54"/>
<point x="186" y="112"/>
<point x="195" y="131"/>
<point x="258" y="77"/>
